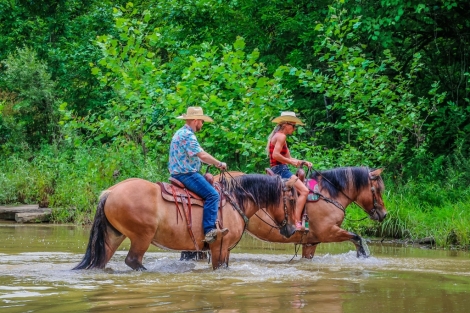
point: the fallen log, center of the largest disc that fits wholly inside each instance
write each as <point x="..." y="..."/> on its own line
<point x="34" y="217"/>
<point x="8" y="212"/>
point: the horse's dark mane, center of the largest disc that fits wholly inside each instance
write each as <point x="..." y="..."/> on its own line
<point x="340" y="179"/>
<point x="264" y="190"/>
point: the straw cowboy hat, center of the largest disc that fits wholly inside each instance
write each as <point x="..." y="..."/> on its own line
<point x="287" y="117"/>
<point x="195" y="113"/>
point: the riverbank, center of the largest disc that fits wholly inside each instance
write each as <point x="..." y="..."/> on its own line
<point x="25" y="213"/>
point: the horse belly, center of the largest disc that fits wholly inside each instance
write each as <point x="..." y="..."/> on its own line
<point x="173" y="233"/>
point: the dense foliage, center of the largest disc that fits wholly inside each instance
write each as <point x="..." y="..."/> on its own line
<point x="89" y="91"/>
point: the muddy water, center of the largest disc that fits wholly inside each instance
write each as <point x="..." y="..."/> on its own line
<point x="35" y="276"/>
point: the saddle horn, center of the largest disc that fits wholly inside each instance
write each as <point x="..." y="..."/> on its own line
<point x="208" y="176"/>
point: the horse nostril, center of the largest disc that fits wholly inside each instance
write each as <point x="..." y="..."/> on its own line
<point x="385" y="215"/>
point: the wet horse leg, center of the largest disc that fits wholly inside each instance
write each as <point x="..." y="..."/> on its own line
<point x="358" y="241"/>
<point x="113" y="241"/>
<point x="135" y="256"/>
<point x="139" y="245"/>
<point x="337" y="234"/>
<point x="193" y="255"/>
<point x="219" y="254"/>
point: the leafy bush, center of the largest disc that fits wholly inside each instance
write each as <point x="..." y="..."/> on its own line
<point x="34" y="110"/>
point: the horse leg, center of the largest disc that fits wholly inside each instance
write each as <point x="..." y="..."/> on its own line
<point x="219" y="254"/>
<point x="337" y="234"/>
<point x="139" y="245"/>
<point x="113" y="241"/>
<point x="228" y="257"/>
<point x="193" y="255"/>
<point x="308" y="250"/>
<point x="361" y="248"/>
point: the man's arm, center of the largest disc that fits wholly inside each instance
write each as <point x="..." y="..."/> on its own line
<point x="209" y="159"/>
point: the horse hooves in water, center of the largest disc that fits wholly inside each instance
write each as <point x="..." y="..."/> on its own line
<point x="135" y="265"/>
<point x="193" y="255"/>
<point x="361" y="253"/>
<point x="361" y="246"/>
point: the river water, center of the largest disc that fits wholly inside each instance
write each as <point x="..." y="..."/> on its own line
<point x="35" y="276"/>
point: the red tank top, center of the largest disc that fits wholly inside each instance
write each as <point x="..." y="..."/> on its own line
<point x="284" y="151"/>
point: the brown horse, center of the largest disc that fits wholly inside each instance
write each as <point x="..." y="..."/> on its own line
<point x="135" y="208"/>
<point x="337" y="189"/>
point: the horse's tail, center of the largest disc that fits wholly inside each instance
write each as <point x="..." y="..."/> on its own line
<point x="95" y="255"/>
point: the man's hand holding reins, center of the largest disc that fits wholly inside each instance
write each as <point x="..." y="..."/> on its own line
<point x="222" y="165"/>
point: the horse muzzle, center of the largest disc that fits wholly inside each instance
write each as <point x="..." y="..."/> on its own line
<point x="287" y="230"/>
<point x="379" y="215"/>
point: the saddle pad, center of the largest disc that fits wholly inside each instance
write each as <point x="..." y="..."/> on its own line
<point x="312" y="183"/>
<point x="313" y="194"/>
<point x="313" y="197"/>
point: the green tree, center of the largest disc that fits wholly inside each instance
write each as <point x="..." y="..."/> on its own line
<point x="35" y="109"/>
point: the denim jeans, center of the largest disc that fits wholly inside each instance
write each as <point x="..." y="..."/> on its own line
<point x="282" y="170"/>
<point x="196" y="183"/>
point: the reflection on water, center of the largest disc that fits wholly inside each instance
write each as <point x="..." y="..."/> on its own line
<point x="35" y="276"/>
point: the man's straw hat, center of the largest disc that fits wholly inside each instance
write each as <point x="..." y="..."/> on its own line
<point x="287" y="117"/>
<point x="195" y="113"/>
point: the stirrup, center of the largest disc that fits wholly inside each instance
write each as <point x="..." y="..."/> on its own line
<point x="223" y="231"/>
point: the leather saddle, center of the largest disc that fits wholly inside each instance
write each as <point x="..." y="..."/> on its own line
<point x="300" y="173"/>
<point x="176" y="191"/>
<point x="314" y="191"/>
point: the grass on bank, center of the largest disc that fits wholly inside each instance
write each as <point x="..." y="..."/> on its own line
<point x="70" y="182"/>
<point x="410" y="218"/>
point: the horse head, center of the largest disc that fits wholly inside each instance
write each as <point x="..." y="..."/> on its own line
<point x="372" y="202"/>
<point x="355" y="184"/>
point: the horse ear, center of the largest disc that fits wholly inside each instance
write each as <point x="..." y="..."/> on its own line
<point x="376" y="173"/>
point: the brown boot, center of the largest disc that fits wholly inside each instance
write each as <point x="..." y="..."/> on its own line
<point x="213" y="234"/>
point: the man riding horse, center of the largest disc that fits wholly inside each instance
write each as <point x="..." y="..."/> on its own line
<point x="185" y="162"/>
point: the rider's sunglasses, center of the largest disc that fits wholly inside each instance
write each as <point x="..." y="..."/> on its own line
<point x="291" y="124"/>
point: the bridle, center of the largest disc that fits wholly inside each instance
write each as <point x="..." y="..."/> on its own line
<point x="374" y="197"/>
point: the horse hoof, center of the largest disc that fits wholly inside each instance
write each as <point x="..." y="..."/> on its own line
<point x="140" y="269"/>
<point x="362" y="254"/>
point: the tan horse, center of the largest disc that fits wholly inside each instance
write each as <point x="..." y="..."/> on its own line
<point x="135" y="209"/>
<point x="337" y="189"/>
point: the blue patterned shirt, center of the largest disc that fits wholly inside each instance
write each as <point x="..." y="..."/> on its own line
<point x="184" y="148"/>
